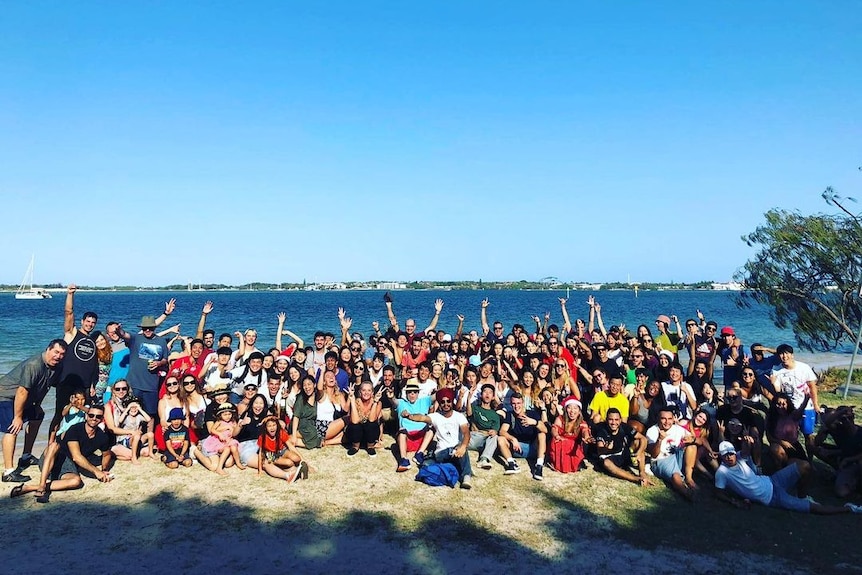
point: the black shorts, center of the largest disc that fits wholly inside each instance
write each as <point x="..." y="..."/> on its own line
<point x="622" y="460"/>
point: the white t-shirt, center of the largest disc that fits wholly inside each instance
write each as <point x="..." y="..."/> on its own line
<point x="674" y="438"/>
<point x="742" y="480"/>
<point x="448" y="429"/>
<point x="794" y="382"/>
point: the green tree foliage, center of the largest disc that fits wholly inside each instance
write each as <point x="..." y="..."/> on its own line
<point x="808" y="269"/>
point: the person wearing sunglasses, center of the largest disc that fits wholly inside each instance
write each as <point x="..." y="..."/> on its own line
<point x="77" y="455"/>
<point x="452" y="432"/>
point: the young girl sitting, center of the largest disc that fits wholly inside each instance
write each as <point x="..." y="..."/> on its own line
<point x="132" y="418"/>
<point x="277" y="453"/>
<point x="221" y="439"/>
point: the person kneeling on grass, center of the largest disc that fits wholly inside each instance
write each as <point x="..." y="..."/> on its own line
<point x="736" y="478"/>
<point x="452" y="434"/>
<point x="75" y="456"/>
<point x="176" y="440"/>
<point x="277" y="453"/>
<point x="522" y="434"/>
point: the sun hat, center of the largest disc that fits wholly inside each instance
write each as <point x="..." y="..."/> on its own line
<point x="148" y="321"/>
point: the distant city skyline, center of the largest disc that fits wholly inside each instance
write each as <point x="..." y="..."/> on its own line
<point x="156" y="144"/>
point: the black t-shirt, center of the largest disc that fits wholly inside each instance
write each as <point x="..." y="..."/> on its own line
<point x="87" y="445"/>
<point x="615" y="444"/>
<point x="523" y="433"/>
<point x="747" y="417"/>
<point x="80" y="367"/>
<point x="385" y="401"/>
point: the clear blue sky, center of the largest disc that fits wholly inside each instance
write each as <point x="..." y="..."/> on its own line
<point x="151" y="143"/>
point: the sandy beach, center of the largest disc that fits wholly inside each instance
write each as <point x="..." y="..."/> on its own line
<point x="357" y="515"/>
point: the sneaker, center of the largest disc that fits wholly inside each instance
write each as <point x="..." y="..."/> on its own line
<point x="15" y="477"/>
<point x="371" y="452"/>
<point x="537" y="473"/>
<point x="512" y="468"/>
<point x="403" y="465"/>
<point x="352" y="451"/>
<point x="466" y="482"/>
<point x="419" y="458"/>
<point x="484" y="463"/>
<point x="295" y="477"/>
<point x="26" y="461"/>
<point x="648" y="470"/>
<point x="853" y="508"/>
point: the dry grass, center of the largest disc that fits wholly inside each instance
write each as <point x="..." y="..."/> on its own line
<point x="355" y="515"/>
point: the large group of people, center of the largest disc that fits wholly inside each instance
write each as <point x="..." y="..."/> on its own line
<point x="642" y="406"/>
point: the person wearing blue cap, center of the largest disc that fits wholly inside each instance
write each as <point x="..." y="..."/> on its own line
<point x="177" y="442"/>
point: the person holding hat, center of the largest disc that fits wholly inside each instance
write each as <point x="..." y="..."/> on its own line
<point x="452" y="433"/>
<point x="148" y="356"/>
<point x="177" y="442"/>
<point x="736" y="479"/>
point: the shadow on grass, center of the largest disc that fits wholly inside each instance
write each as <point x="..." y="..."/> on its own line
<point x="167" y="533"/>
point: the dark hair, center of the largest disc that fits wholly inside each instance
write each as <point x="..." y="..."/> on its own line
<point x="197" y="340"/>
<point x="515" y="395"/>
<point x="612" y="410"/>
<point x="226" y="335"/>
<point x="330" y="355"/>
<point x="61" y="342"/>
<point x="91" y="314"/>
<point x="209" y="332"/>
<point x="783" y="348"/>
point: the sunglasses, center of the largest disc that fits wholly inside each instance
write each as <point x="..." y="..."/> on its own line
<point x="444" y="401"/>
<point x="121" y="389"/>
<point x="95" y="416"/>
<point x="189" y="383"/>
<point x="172" y="384"/>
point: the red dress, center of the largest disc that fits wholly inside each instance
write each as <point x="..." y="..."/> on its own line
<point x="567" y="451"/>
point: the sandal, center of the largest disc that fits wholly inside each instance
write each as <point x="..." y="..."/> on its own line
<point x="17" y="491"/>
<point x="44" y="495"/>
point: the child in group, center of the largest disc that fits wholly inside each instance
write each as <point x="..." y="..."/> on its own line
<point x="277" y="453"/>
<point x="176" y="440"/>
<point x="133" y="418"/>
<point x="73" y="413"/>
<point x="221" y="439"/>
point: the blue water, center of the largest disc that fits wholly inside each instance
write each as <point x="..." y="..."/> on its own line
<point x="27" y="326"/>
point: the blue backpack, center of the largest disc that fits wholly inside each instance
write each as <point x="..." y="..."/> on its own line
<point x="437" y="474"/>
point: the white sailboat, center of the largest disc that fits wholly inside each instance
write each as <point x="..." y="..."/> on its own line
<point x="27" y="291"/>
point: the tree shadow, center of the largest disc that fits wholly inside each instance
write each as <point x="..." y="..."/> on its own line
<point x="169" y="533"/>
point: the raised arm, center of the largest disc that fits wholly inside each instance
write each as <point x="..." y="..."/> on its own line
<point x="591" y="301"/>
<point x="69" y="313"/>
<point x="438" y="307"/>
<point x="460" y="331"/>
<point x="281" y="317"/>
<point x="346" y="323"/>
<point x="567" y="324"/>
<point x="202" y="323"/>
<point x="598" y="308"/>
<point x="393" y="321"/>
<point x="169" y="309"/>
<point x="484" y="317"/>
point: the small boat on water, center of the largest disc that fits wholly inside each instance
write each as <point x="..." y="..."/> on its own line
<point x="27" y="291"/>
